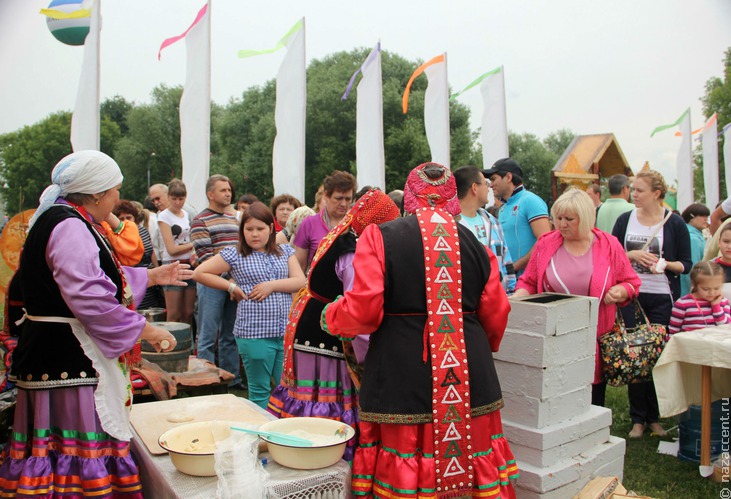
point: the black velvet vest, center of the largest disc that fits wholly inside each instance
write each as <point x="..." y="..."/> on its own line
<point x="48" y="354"/>
<point x="325" y="287"/>
<point x="397" y="383"/>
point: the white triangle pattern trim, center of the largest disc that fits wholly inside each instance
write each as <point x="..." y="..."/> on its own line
<point x="451" y="434"/>
<point x="443" y="276"/>
<point x="437" y="218"/>
<point x="453" y="468"/>
<point x="444" y="308"/>
<point x="449" y="360"/>
<point x="452" y="396"/>
<point x="442" y="244"/>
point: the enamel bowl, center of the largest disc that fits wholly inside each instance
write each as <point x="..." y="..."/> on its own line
<point x="329" y="440"/>
<point x="191" y="446"/>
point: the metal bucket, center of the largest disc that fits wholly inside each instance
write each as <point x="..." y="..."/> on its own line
<point x="180" y="330"/>
<point x="175" y="360"/>
<point x="153" y="314"/>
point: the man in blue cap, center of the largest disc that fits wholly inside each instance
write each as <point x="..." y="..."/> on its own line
<point x="523" y="216"/>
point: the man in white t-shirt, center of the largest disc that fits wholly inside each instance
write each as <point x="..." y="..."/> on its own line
<point x="717" y="215"/>
<point x="159" y="197"/>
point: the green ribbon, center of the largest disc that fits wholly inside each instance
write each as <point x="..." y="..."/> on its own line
<point x="280" y="44"/>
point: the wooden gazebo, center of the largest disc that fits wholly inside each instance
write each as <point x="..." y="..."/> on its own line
<point x="588" y="159"/>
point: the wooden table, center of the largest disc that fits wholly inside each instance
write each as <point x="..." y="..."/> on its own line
<point x="695" y="368"/>
<point x="161" y="480"/>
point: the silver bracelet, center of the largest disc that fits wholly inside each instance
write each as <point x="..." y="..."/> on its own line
<point x="231" y="287"/>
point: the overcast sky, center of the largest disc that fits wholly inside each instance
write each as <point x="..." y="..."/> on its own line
<point x="594" y="66"/>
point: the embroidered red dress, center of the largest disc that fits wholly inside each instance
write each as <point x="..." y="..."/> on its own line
<point x="429" y="402"/>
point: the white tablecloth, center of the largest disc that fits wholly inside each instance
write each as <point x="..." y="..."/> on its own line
<point x="160" y="479"/>
<point x="677" y="374"/>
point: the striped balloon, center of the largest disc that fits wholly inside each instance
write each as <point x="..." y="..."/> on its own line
<point x="68" y="31"/>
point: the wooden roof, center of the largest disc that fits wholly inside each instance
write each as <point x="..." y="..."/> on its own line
<point x="585" y="151"/>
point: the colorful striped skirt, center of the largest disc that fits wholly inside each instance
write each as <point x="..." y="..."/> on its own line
<point x="59" y="449"/>
<point x="322" y="389"/>
<point x="397" y="461"/>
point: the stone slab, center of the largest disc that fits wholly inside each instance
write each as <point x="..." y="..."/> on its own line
<point x="539" y="413"/>
<point x="544" y="383"/>
<point x="560" y="433"/>
<point x="539" y="350"/>
<point x="548" y="457"/>
<point x="613" y="468"/>
<point x="570" y="490"/>
<point x="552" y="314"/>
<point x="576" y="470"/>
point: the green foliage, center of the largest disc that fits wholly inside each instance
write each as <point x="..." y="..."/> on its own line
<point x="245" y="129"/>
<point x="152" y="143"/>
<point x="244" y="134"/>
<point x="717" y="99"/>
<point x="116" y="109"/>
<point x="27" y="157"/>
<point x="651" y="474"/>
<point x="537" y="157"/>
<point x="145" y="139"/>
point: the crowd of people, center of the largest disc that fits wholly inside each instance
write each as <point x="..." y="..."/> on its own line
<point x="379" y="310"/>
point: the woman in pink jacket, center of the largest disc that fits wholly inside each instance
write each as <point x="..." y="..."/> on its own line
<point x="579" y="259"/>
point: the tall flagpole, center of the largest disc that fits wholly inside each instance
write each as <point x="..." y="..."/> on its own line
<point x="85" y="120"/>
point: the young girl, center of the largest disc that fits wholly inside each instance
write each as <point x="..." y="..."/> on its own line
<point x="724" y="249"/>
<point x="705" y="305"/>
<point x="265" y="275"/>
<point x="174" y="225"/>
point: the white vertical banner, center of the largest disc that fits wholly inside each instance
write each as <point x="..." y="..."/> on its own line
<point x="727" y="157"/>
<point x="288" y="157"/>
<point x="494" y="118"/>
<point x="684" y="165"/>
<point x="85" y="121"/>
<point x="710" y="161"/>
<point x="436" y="111"/>
<point x="369" y="150"/>
<point x="195" y="111"/>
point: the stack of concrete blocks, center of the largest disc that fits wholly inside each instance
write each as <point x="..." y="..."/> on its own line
<point x="546" y="367"/>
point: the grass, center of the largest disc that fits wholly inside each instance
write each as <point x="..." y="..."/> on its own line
<point x="651" y="474"/>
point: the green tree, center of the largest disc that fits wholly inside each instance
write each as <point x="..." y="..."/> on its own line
<point x="151" y="146"/>
<point x="717" y="99"/>
<point x="245" y="129"/>
<point x="537" y="157"/>
<point x="28" y="155"/>
<point x="116" y="109"/>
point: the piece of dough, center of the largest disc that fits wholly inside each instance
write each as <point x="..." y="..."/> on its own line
<point x="180" y="417"/>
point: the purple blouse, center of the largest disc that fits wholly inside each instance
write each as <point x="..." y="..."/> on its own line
<point x="310" y="233"/>
<point x="72" y="255"/>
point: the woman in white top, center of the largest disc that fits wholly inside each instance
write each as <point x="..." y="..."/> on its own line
<point x="658" y="245"/>
<point x="174" y="225"/>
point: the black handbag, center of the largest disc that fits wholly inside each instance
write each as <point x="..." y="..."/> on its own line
<point x="630" y="354"/>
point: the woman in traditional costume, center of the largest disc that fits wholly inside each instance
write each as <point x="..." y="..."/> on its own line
<point x="429" y="405"/>
<point x="316" y="381"/>
<point x="71" y="431"/>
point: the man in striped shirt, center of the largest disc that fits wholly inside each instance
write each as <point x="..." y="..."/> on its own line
<point x="212" y="230"/>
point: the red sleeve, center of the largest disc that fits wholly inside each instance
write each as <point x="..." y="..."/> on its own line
<point x="360" y="311"/>
<point x="494" y="307"/>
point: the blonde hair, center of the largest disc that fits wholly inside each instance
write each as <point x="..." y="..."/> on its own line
<point x="704" y="269"/>
<point x="295" y="219"/>
<point x="655" y="180"/>
<point x="578" y="202"/>
<point x="318" y="197"/>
